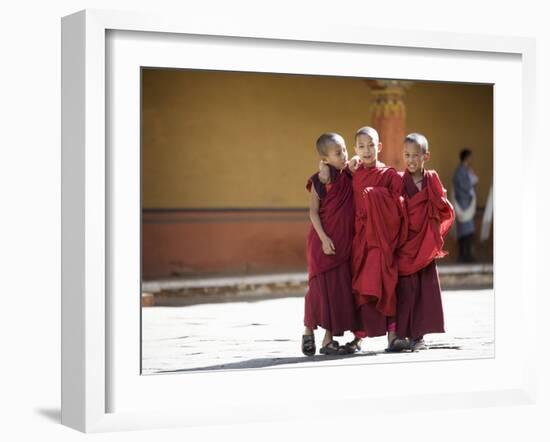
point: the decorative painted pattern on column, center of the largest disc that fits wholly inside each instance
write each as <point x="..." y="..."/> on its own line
<point x="388" y="116"/>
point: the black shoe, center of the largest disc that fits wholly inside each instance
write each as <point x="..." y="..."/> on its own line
<point x="350" y="348"/>
<point x="308" y="345"/>
<point x="398" y="345"/>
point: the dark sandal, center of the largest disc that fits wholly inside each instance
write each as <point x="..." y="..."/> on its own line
<point x="330" y="349"/>
<point x="308" y="345"/>
<point x="350" y="347"/>
<point x="418" y="344"/>
<point x="398" y="345"/>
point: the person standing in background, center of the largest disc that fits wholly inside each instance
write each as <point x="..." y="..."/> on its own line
<point x="464" y="202"/>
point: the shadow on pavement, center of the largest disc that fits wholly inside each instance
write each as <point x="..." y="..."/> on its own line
<point x="272" y="362"/>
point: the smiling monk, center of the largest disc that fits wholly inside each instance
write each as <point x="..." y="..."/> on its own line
<point x="380" y="227"/>
<point x="430" y="216"/>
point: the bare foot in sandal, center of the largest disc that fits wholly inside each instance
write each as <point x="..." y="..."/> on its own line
<point x="351" y="347"/>
<point x="331" y="348"/>
<point x="397" y="344"/>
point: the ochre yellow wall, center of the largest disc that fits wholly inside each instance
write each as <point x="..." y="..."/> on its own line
<point x="454" y="116"/>
<point x="226" y="139"/>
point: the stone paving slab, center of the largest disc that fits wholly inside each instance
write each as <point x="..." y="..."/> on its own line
<point x="241" y="288"/>
<point x="263" y="334"/>
<point x="182" y="283"/>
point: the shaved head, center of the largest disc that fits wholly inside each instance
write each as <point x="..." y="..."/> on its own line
<point x="370" y="132"/>
<point x="326" y="141"/>
<point x="418" y="139"/>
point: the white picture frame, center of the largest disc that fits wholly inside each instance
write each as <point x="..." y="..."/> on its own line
<point x="90" y="316"/>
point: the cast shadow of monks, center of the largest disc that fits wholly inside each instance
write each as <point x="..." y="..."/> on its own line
<point x="274" y="362"/>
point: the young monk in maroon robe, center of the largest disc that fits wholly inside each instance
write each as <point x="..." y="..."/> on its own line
<point x="379" y="229"/>
<point x="329" y="301"/>
<point x="430" y="216"/>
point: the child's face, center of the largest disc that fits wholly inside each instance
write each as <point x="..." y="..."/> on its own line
<point x="337" y="155"/>
<point x="414" y="158"/>
<point x="367" y="149"/>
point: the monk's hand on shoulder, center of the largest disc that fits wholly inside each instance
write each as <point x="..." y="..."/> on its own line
<point x="354" y="163"/>
<point x="328" y="246"/>
<point x="324" y="172"/>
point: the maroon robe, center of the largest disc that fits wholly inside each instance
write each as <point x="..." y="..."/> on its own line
<point x="380" y="227"/>
<point x="430" y="216"/>
<point x="329" y="301"/>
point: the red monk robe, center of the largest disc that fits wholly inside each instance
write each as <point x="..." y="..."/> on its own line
<point x="430" y="216"/>
<point x="329" y="301"/>
<point x="380" y="226"/>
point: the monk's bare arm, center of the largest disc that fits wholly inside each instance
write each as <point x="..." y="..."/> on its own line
<point x="324" y="172"/>
<point x="314" y="215"/>
<point x="328" y="246"/>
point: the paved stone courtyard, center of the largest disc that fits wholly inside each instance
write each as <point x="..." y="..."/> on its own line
<point x="266" y="333"/>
